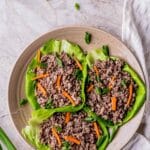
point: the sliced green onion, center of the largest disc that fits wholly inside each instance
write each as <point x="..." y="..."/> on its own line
<point x="78" y="74"/>
<point x="87" y="37"/>
<point x="59" y="62"/>
<point x="23" y="101"/>
<point x="124" y="83"/>
<point x="6" y="141"/>
<point x="105" y="91"/>
<point x="1" y="147"/>
<point x="58" y="128"/>
<point x="106" y="50"/>
<point x="77" y="6"/>
<point x="98" y="90"/>
<point x="66" y="145"/>
<point x="89" y="119"/>
<point x="48" y="104"/>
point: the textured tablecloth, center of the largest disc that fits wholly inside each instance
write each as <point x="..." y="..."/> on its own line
<point x="22" y="21"/>
<point x="135" y="33"/>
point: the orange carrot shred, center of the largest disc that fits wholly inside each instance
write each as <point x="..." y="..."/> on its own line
<point x="38" y="55"/>
<point x="96" y="129"/>
<point x="54" y="132"/>
<point x="78" y="63"/>
<point x="68" y="115"/>
<point x="72" y="139"/>
<point x="96" y="70"/>
<point x="114" y="103"/>
<point x="130" y="94"/>
<point x="41" y="89"/>
<point x="65" y="94"/>
<point x="111" y="82"/>
<point x="90" y="88"/>
<point x="41" y="76"/>
<point x="58" y="81"/>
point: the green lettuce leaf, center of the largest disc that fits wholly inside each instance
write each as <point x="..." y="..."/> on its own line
<point x="52" y="47"/>
<point x="140" y="93"/>
<point x="31" y="134"/>
<point x="103" y="141"/>
<point x="30" y="85"/>
<point x="31" y="131"/>
<point x="100" y="53"/>
<point x="103" y="55"/>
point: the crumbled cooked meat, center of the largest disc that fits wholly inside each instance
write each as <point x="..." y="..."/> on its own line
<point x="76" y="127"/>
<point x="69" y="82"/>
<point x="101" y="102"/>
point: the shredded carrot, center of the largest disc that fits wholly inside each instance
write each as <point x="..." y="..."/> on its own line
<point x="78" y="63"/>
<point x="96" y="129"/>
<point x="67" y="119"/>
<point x="90" y="88"/>
<point x="72" y="139"/>
<point x="41" y="76"/>
<point x="130" y="94"/>
<point x="54" y="132"/>
<point x="111" y="82"/>
<point x="38" y="55"/>
<point x="58" y="81"/>
<point x="65" y="94"/>
<point x="41" y="89"/>
<point x="114" y="103"/>
<point x="96" y="70"/>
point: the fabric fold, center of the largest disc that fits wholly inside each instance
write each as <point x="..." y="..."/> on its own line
<point x="135" y="34"/>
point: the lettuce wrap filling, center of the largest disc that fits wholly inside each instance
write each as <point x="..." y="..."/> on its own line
<point x="55" y="77"/>
<point x="80" y="130"/>
<point x="117" y="91"/>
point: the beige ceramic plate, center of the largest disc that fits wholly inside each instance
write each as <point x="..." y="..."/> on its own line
<point x="74" y="34"/>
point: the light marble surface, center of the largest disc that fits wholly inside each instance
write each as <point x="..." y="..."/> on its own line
<point x="22" y="21"/>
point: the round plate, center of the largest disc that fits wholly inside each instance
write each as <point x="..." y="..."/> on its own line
<point x="74" y="34"/>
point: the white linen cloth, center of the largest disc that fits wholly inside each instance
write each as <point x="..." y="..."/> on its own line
<point x="136" y="35"/>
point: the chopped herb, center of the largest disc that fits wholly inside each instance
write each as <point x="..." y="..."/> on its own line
<point x="1" y="147"/>
<point x="98" y="79"/>
<point x="66" y="145"/>
<point x="105" y="91"/>
<point x="124" y="83"/>
<point x="80" y="95"/>
<point x="88" y="79"/>
<point x="59" y="62"/>
<point x="73" y="113"/>
<point x="43" y="65"/>
<point x="49" y="104"/>
<point x="77" y="6"/>
<point x="78" y="74"/>
<point x="98" y="90"/>
<point x="106" y="50"/>
<point x="58" y="128"/>
<point x="6" y="141"/>
<point x="90" y="119"/>
<point x="34" y="83"/>
<point x="99" y="141"/>
<point x="23" y="102"/>
<point x="87" y="37"/>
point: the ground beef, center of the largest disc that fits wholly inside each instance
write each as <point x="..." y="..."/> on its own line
<point x="76" y="127"/>
<point x="58" y="65"/>
<point x="99" y="99"/>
